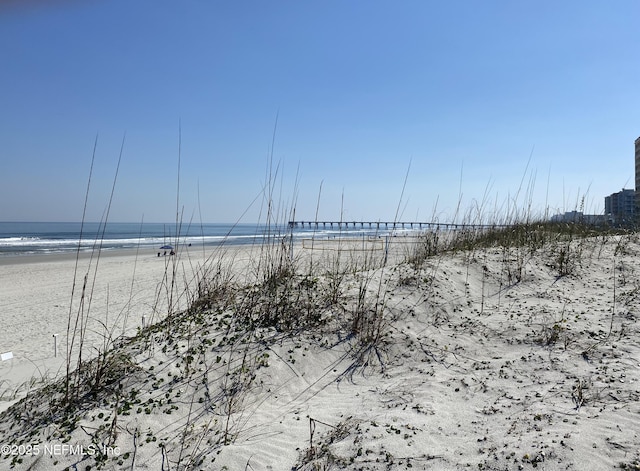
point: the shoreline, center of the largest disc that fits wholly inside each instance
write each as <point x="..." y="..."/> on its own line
<point x="27" y="258"/>
<point x="18" y="258"/>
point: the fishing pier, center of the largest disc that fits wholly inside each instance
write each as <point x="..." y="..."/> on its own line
<point x="383" y="225"/>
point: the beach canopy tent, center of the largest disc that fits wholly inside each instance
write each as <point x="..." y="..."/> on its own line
<point x="166" y="247"/>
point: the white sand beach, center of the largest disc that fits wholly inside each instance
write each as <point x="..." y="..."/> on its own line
<point x="36" y="297"/>
<point x="489" y="358"/>
<point x="124" y="290"/>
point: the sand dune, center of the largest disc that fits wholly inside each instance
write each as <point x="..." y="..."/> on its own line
<point x="490" y="358"/>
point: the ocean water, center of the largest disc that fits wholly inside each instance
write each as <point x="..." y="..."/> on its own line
<point x="30" y="238"/>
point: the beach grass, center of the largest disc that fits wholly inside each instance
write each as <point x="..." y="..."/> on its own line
<point x="208" y="368"/>
<point x="477" y="348"/>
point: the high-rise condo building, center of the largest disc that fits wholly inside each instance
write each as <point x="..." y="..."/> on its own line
<point x="620" y="208"/>
<point x="638" y="173"/>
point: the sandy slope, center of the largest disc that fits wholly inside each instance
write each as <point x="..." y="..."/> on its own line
<point x="475" y="368"/>
<point x="35" y="296"/>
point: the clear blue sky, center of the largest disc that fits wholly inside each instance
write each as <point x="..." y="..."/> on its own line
<point x="465" y="93"/>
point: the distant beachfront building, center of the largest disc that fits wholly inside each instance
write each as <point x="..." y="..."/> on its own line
<point x="578" y="217"/>
<point x="620" y="207"/>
